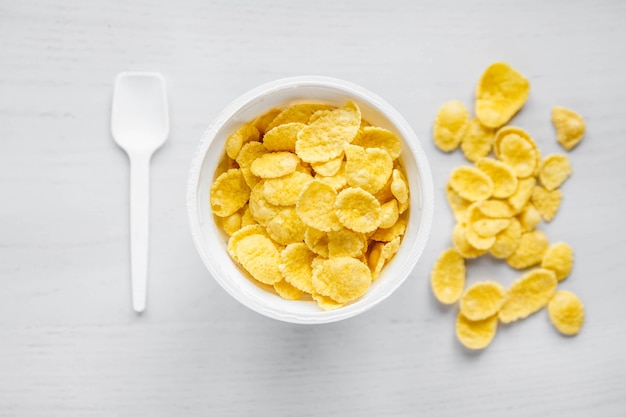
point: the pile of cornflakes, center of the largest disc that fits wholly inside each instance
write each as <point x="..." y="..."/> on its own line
<point x="314" y="199"/>
<point x="497" y="203"/>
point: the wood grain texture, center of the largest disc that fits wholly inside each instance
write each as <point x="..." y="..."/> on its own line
<point x="69" y="342"/>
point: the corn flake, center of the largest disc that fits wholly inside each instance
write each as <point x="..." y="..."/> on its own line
<point x="328" y="168"/>
<point x="262" y="122"/>
<point x="262" y="210"/>
<point x="358" y="210"/>
<point x="450" y="125"/>
<point x="316" y="206"/>
<point x="477" y="141"/>
<point x="476" y="334"/>
<point x="274" y="164"/>
<point x="569" y="125"/>
<point x="326" y="303"/>
<point x="447" y="278"/>
<point x="523" y="193"/>
<point x="559" y="258"/>
<point x="528" y="294"/>
<point x="297" y="113"/>
<point x="248" y="154"/>
<point x="546" y="202"/>
<point x="378" y="137"/>
<point x="295" y="265"/>
<point x="567" y="312"/>
<point x="495" y="208"/>
<point x="284" y="191"/>
<point x="345" y="242"/>
<point x="283" y="137"/>
<point x="287" y="291"/>
<point x="471" y="183"/>
<point x="231" y="223"/>
<point x="326" y="137"/>
<point x="343" y="279"/>
<point x="529" y="218"/>
<point x="368" y="169"/>
<point x="400" y="189"/>
<point x="229" y="193"/>
<point x="259" y="256"/>
<point x="501" y="92"/>
<point x="462" y="245"/>
<point x="554" y="170"/>
<point x="286" y="227"/>
<point x="389" y="234"/>
<point x="242" y="233"/>
<point x="316" y="241"/>
<point x="246" y="133"/>
<point x="530" y="251"/>
<point x="519" y="154"/>
<point x="389" y="214"/>
<point x="482" y="300"/>
<point x="502" y="176"/>
<point x="490" y="227"/>
<point x="458" y="204"/>
<point x="507" y="241"/>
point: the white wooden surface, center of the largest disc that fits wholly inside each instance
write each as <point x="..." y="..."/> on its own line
<point x="70" y="344"/>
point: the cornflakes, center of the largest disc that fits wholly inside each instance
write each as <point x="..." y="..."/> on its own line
<point x="450" y="125"/>
<point x="283" y="137"/>
<point x="343" y="279"/>
<point x="239" y="137"/>
<point x="389" y="214"/>
<point x="507" y="241"/>
<point x="477" y="141"/>
<point x="567" y="312"/>
<point x="554" y="170"/>
<point x="328" y="168"/>
<point x="316" y="206"/>
<point x="559" y="258"/>
<point x="297" y="113"/>
<point x="377" y="137"/>
<point x="527" y="295"/>
<point x="530" y="251"/>
<point x="546" y="202"/>
<point x="476" y="334"/>
<point x="570" y="127"/>
<point x="358" y="210"/>
<point x="368" y="168"/>
<point x="502" y="176"/>
<point x="274" y="164"/>
<point x="259" y="256"/>
<point x="284" y="191"/>
<point x="295" y="265"/>
<point x="462" y="245"/>
<point x="447" y="278"/>
<point x="529" y="218"/>
<point x="471" y="183"/>
<point x="287" y="291"/>
<point x="229" y="193"/>
<point x="523" y="193"/>
<point x="286" y="227"/>
<point x="501" y="92"/>
<point x="519" y="154"/>
<point x="482" y="300"/>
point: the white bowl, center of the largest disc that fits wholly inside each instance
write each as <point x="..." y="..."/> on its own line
<point x="211" y="242"/>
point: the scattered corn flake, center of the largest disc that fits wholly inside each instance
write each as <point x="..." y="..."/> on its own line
<point x="496" y="208"/>
<point x="529" y="218"/>
<point x="295" y="265"/>
<point x="471" y="183"/>
<point x="450" y="125"/>
<point x="447" y="278"/>
<point x="378" y="137"/>
<point x="358" y="210"/>
<point x="389" y="234"/>
<point x="530" y="251"/>
<point x="262" y="210"/>
<point x="389" y="214"/>
<point x="284" y="191"/>
<point x="554" y="170"/>
<point x="283" y="137"/>
<point x="523" y="193"/>
<point x="229" y="193"/>
<point x="262" y="122"/>
<point x="567" y="312"/>
<point x="507" y="241"/>
<point x="501" y="92"/>
<point x="337" y="181"/>
<point x="569" y="125"/>
<point x="476" y="240"/>
<point x="259" y="256"/>
<point x="286" y="227"/>
<point x="297" y="113"/>
<point x="274" y="164"/>
<point x="503" y="177"/>
<point x="316" y="206"/>
<point x="246" y="133"/>
<point x="546" y="202"/>
<point x="559" y="258"/>
<point x="482" y="300"/>
<point x="458" y="204"/>
<point x="477" y="141"/>
<point x="519" y="154"/>
<point x="505" y="131"/>
<point x="345" y="242"/>
<point x="316" y="241"/>
<point x="368" y="169"/>
<point x="242" y="233"/>
<point x="287" y="291"/>
<point x="326" y="137"/>
<point x="343" y="279"/>
<point x="490" y="227"/>
<point x="231" y="223"/>
<point x="249" y="153"/>
<point x="476" y="334"/>
<point x="461" y="244"/>
<point x="328" y="168"/>
<point x="528" y="294"/>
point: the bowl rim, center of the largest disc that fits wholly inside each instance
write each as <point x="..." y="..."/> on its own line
<point x="426" y="211"/>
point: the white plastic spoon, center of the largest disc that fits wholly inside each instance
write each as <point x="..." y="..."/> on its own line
<point x="140" y="125"/>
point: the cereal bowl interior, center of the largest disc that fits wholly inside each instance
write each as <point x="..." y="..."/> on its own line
<point x="211" y="242"/>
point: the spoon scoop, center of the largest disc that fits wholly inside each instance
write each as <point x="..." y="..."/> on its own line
<point x="140" y="125"/>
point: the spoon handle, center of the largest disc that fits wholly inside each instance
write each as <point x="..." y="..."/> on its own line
<point x="139" y="226"/>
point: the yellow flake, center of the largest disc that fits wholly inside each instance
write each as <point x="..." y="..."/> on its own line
<point x="262" y="122"/>
<point x="283" y="137"/>
<point x="343" y="279"/>
<point x="559" y="258"/>
<point x="523" y="193"/>
<point x="345" y="242"/>
<point x="328" y="168"/>
<point x="567" y="312"/>
<point x="368" y="169"/>
<point x="482" y="300"/>
<point x="450" y="125"/>
<point x="461" y="244"/>
<point x="389" y="234"/>
<point x="262" y="210"/>
<point x="246" y="133"/>
<point x="231" y="223"/>
<point x="295" y="265"/>
<point x="530" y="251"/>
<point x="287" y="291"/>
<point x="507" y="241"/>
<point x="519" y="154"/>
<point x="476" y="334"/>
<point x="400" y="188"/>
<point x="529" y="217"/>
<point x="389" y="214"/>
<point x="358" y="210"/>
<point x="502" y="176"/>
<point x="274" y="164"/>
<point x="501" y="92"/>
<point x="495" y="208"/>
<point x="316" y="206"/>
<point x="326" y="303"/>
<point x="447" y="278"/>
<point x="284" y="191"/>
<point x="316" y="241"/>
<point x="547" y="202"/>
<point x="229" y="193"/>
<point x="490" y="227"/>
<point x="248" y="154"/>
<point x="259" y="256"/>
<point x="527" y="295"/>
<point x="458" y="204"/>
<point x="297" y="113"/>
<point x="471" y="183"/>
<point x="286" y="227"/>
<point x="554" y="170"/>
<point x="569" y="125"/>
<point x="377" y="137"/>
<point x="477" y="141"/>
